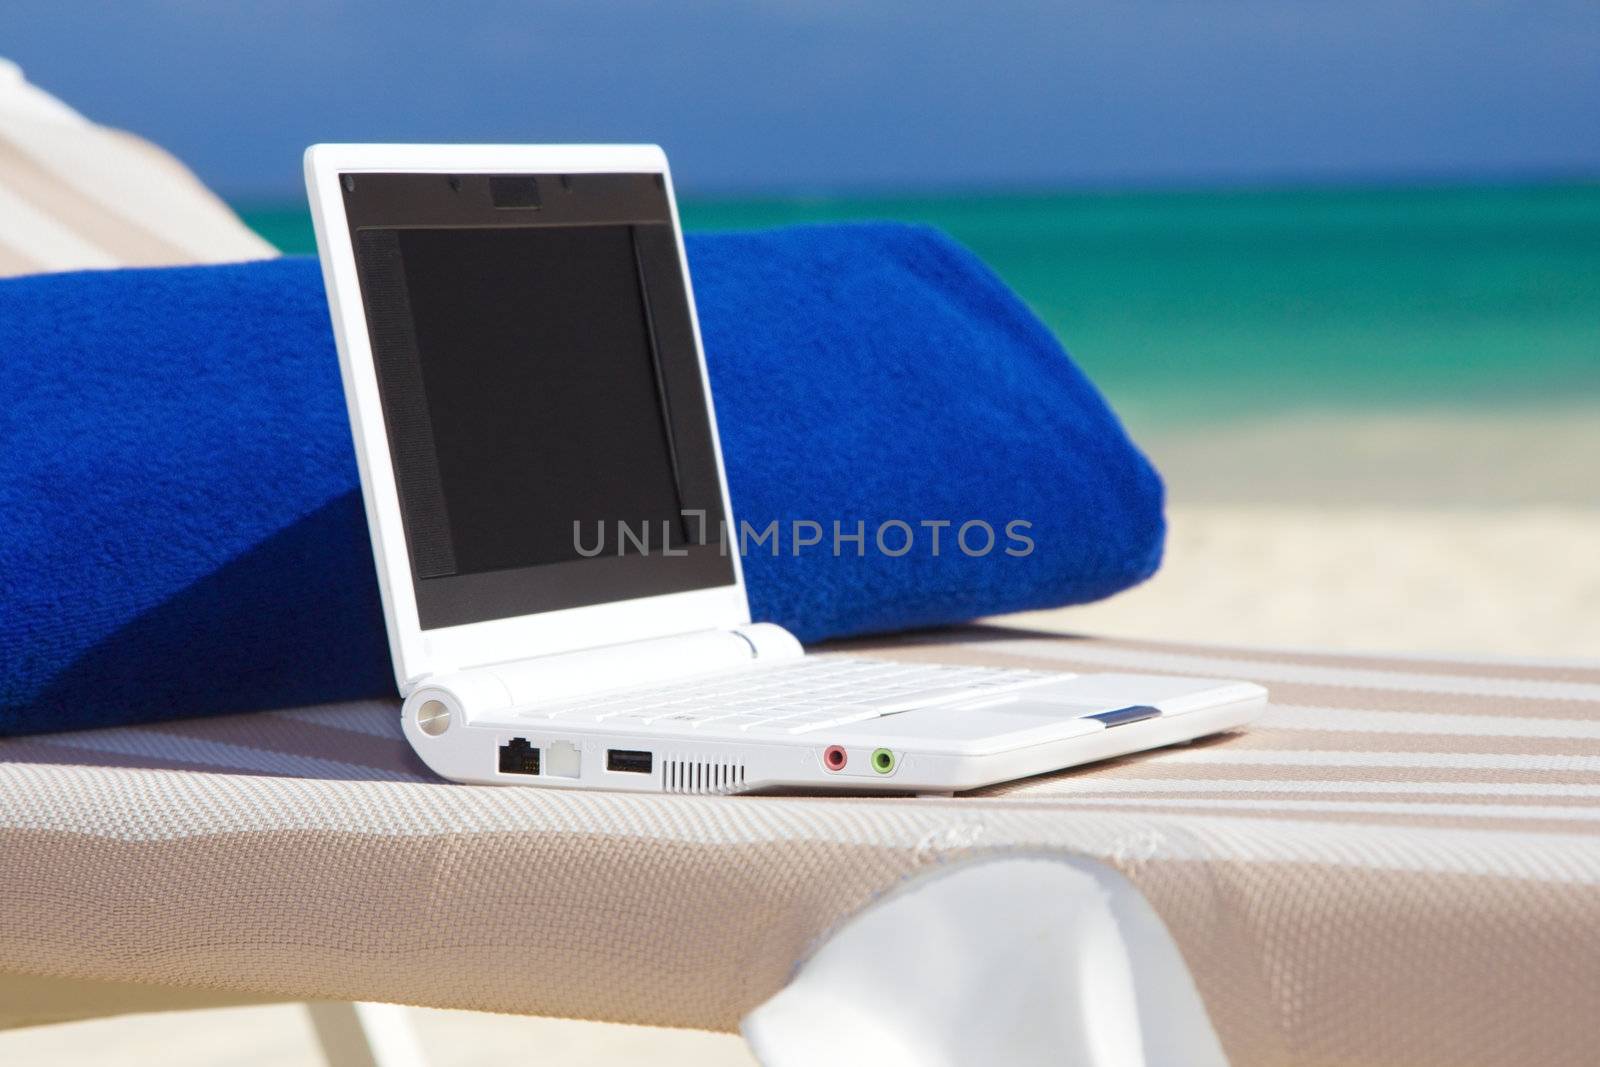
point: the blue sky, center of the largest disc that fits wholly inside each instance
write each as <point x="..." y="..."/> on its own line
<point x="791" y="97"/>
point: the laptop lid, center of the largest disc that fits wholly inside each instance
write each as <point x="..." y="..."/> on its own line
<point x="528" y="398"/>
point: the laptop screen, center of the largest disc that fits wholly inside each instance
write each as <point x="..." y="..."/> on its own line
<point x="541" y="390"/>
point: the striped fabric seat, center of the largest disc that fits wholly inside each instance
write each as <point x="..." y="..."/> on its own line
<point x="1398" y="865"/>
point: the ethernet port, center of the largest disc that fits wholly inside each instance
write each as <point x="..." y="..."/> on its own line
<point x="519" y="757"/>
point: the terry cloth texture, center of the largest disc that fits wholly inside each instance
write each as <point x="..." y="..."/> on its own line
<point x="1400" y="864"/>
<point x="184" y="531"/>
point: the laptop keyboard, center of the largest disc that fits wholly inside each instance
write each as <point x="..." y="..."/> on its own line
<point x="791" y="698"/>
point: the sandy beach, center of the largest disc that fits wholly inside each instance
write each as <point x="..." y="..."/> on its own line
<point x="1457" y="532"/>
<point x="280" y="1035"/>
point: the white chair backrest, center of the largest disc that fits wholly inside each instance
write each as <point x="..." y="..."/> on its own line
<point x="75" y="195"/>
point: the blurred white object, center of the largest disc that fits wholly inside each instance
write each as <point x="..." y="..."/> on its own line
<point x="1016" y="960"/>
<point x="75" y="195"/>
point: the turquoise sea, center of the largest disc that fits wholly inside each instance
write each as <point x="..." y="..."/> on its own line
<point x="1190" y="305"/>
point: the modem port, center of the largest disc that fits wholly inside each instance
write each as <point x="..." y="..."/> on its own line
<point x="517" y="756"/>
<point x="631" y="761"/>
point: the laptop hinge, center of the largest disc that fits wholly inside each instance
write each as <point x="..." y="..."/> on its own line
<point x="548" y="679"/>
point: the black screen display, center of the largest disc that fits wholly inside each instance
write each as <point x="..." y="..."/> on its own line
<point x="541" y="390"/>
<point x="544" y="390"/>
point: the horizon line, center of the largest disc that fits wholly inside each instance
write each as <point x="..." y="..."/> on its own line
<point x="1267" y="184"/>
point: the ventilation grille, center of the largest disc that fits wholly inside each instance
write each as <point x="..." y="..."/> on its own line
<point x="701" y="776"/>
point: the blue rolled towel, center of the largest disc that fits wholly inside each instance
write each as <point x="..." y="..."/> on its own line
<point x="182" y="528"/>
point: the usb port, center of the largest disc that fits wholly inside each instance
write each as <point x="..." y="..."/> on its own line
<point x="630" y="760"/>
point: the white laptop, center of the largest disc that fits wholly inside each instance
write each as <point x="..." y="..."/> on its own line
<point x="555" y="546"/>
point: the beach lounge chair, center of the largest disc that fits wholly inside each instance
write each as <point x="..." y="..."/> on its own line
<point x="1398" y="865"/>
